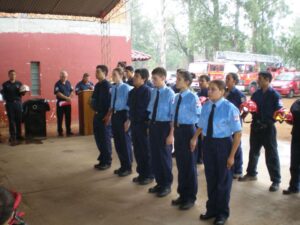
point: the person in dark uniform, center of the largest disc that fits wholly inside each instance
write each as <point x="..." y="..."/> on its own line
<point x="161" y="132"/>
<point x="236" y="97"/>
<point x="129" y="72"/>
<point x="185" y="113"/>
<point x="64" y="93"/>
<point x="138" y="101"/>
<point x="263" y="131"/>
<point x="203" y="84"/>
<point x="119" y="114"/>
<point x="219" y="121"/>
<point x="203" y="92"/>
<point x="294" y="186"/>
<point x="84" y="84"/>
<point x="13" y="98"/>
<point x="101" y="103"/>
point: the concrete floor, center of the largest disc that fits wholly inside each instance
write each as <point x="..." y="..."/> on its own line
<point x="60" y="187"/>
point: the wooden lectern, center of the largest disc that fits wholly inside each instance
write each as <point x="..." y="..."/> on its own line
<point x="86" y="113"/>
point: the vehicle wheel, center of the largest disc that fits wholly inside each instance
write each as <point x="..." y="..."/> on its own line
<point x="291" y="94"/>
<point x="252" y="88"/>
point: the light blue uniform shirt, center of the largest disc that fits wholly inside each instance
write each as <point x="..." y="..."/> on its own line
<point x="166" y="99"/>
<point x="122" y="96"/>
<point x="226" y="120"/>
<point x="189" y="108"/>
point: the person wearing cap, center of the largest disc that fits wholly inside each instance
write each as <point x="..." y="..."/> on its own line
<point x="161" y="133"/>
<point x="221" y="128"/>
<point x="236" y="97"/>
<point x="84" y="84"/>
<point x="64" y="93"/>
<point x="185" y="115"/>
<point x="12" y="95"/>
<point x="263" y="131"/>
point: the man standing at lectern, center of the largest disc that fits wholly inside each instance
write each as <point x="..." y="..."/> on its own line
<point x="64" y="93"/>
<point x="84" y="84"/>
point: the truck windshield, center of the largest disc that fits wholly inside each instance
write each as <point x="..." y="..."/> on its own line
<point x="285" y="77"/>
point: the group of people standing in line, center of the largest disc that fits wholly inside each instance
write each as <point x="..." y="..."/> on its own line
<point x="151" y="118"/>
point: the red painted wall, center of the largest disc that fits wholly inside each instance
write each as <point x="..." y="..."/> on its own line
<point x="74" y="53"/>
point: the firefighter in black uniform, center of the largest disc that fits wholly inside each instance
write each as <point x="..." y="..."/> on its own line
<point x="294" y="186"/>
<point x="11" y="91"/>
<point x="263" y="131"/>
<point x="64" y="93"/>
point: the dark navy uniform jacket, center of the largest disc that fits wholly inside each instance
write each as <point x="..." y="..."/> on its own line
<point x="138" y="101"/>
<point x="81" y="86"/>
<point x="203" y="92"/>
<point x="11" y="91"/>
<point x="267" y="103"/>
<point x="130" y="81"/>
<point x="101" y="97"/>
<point x="66" y="89"/>
<point x="236" y="97"/>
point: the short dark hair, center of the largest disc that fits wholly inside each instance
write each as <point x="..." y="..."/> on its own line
<point x="144" y="73"/>
<point x="86" y="75"/>
<point x="6" y="204"/>
<point x="159" y="71"/>
<point x="219" y="83"/>
<point x="186" y="75"/>
<point x="119" y="71"/>
<point x="266" y="75"/>
<point x="11" y="71"/>
<point x="205" y="77"/>
<point x="103" y="68"/>
<point x="129" y="68"/>
<point x="122" y="64"/>
<point x="234" y="76"/>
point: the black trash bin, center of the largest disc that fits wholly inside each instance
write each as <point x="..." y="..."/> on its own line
<point x="34" y="117"/>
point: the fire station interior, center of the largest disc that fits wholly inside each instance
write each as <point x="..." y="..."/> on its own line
<point x="60" y="186"/>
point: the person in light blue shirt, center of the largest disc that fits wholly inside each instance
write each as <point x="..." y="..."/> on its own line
<point x="219" y="121"/>
<point x="161" y="133"/>
<point x="185" y="113"/>
<point x="166" y="100"/>
<point x="119" y="115"/>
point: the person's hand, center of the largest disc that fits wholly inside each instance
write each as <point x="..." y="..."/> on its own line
<point x="230" y="162"/>
<point x="126" y="125"/>
<point x="193" y="144"/>
<point x="170" y="140"/>
<point x="68" y="99"/>
<point x="107" y="119"/>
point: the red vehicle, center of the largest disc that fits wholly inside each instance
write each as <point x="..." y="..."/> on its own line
<point x="287" y="83"/>
<point x="248" y="74"/>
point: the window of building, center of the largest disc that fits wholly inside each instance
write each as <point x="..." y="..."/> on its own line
<point x="35" y="78"/>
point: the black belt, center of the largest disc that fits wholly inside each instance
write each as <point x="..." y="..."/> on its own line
<point x="159" y="122"/>
<point x="14" y="101"/>
<point x="184" y="125"/>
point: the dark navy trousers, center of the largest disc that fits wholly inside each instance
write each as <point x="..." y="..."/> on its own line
<point x="60" y="112"/>
<point x="238" y="161"/>
<point x="186" y="163"/>
<point x="218" y="177"/>
<point x="122" y="139"/>
<point x="161" y="153"/>
<point x="141" y="148"/>
<point x="295" y="164"/>
<point x="14" y="114"/>
<point x="103" y="139"/>
<point x="267" y="139"/>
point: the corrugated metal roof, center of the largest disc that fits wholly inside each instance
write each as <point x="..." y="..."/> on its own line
<point x="88" y="8"/>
